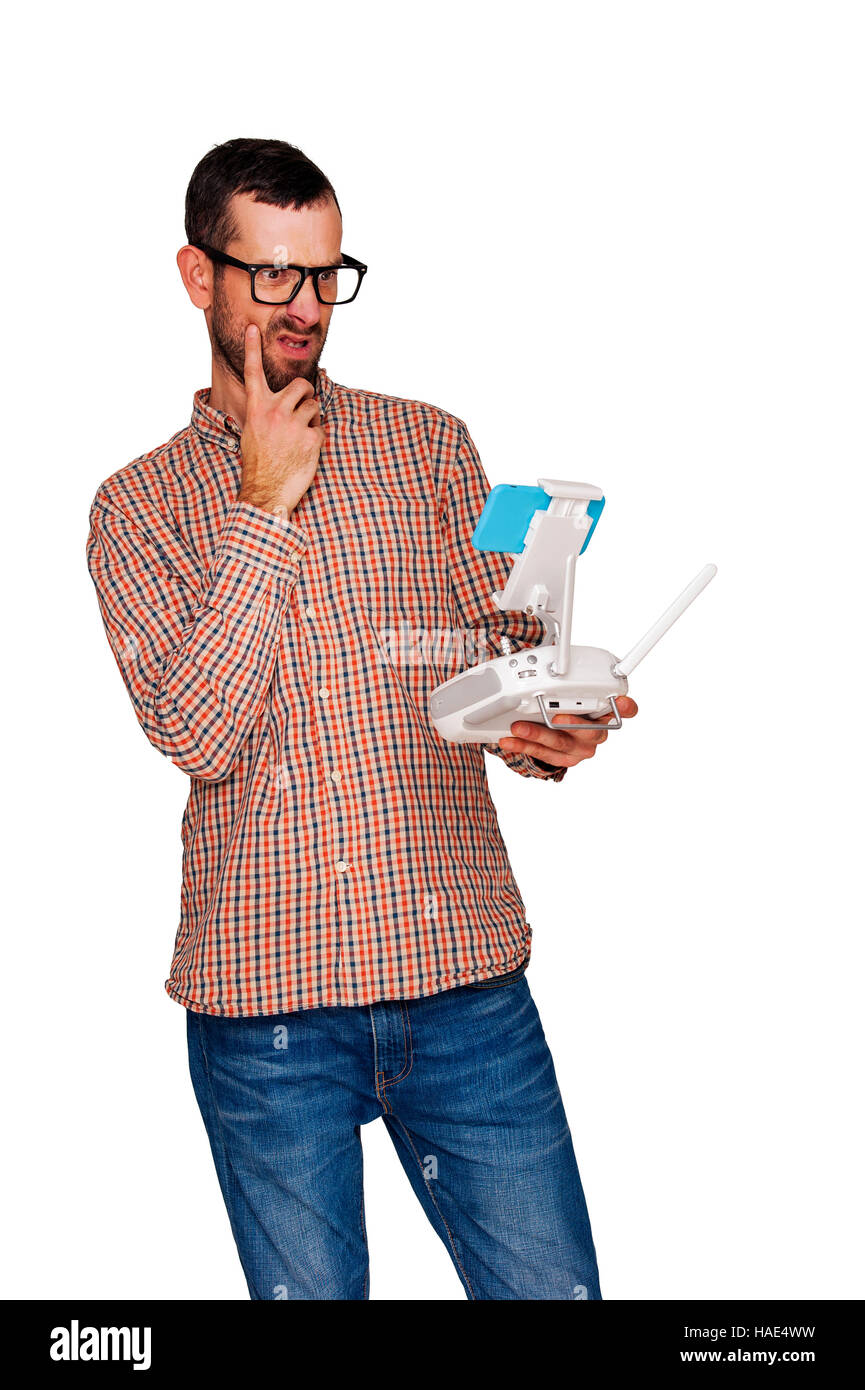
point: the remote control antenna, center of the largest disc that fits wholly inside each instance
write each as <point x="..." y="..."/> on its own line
<point x="665" y="622"/>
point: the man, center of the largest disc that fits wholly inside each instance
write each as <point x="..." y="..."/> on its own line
<point x="352" y="942"/>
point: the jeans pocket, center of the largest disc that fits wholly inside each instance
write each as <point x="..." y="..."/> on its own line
<point x="499" y="981"/>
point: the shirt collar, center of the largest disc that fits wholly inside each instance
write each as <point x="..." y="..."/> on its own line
<point x="223" y="429"/>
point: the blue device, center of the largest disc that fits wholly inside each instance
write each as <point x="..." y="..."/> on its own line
<point x="504" y="521"/>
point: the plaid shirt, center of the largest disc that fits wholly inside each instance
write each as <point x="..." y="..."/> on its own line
<point x="336" y="850"/>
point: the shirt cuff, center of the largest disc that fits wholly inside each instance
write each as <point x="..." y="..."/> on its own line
<point x="546" y="770"/>
<point x="261" y="538"/>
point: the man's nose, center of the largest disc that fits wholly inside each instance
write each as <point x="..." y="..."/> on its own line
<point x="305" y="307"/>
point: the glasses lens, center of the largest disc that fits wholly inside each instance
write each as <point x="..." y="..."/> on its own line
<point x="274" y="286"/>
<point x="338" y="286"/>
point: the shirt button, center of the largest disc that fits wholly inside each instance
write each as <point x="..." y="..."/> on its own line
<point x="336" y="776"/>
<point x="341" y="866"/>
<point x="310" y="612"/>
<point x="324" y="692"/>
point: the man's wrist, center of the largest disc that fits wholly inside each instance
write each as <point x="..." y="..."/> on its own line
<point x="271" y="506"/>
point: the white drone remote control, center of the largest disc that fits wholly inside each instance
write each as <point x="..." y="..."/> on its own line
<point x="546" y="528"/>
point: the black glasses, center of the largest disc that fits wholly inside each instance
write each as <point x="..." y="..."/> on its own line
<point x="279" y="284"/>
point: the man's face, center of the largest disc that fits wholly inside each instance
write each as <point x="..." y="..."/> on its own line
<point x="270" y="235"/>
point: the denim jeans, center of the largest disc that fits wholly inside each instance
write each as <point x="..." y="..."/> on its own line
<point x="465" y="1085"/>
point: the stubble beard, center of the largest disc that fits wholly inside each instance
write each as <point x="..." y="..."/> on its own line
<point x="228" y="338"/>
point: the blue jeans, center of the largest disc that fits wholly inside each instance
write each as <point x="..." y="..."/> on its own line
<point x="465" y="1084"/>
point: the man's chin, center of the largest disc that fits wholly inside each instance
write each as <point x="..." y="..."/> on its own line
<point x="280" y="374"/>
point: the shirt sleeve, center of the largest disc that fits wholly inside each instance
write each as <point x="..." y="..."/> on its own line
<point x="475" y="574"/>
<point x="197" y="658"/>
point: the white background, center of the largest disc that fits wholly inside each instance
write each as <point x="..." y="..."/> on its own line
<point x="693" y="889"/>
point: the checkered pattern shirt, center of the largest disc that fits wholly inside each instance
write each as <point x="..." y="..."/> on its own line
<point x="336" y="850"/>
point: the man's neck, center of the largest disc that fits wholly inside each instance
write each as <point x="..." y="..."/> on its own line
<point x="227" y="393"/>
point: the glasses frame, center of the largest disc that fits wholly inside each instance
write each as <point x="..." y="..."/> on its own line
<point x="347" y="263"/>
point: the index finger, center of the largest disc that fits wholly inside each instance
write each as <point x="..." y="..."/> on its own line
<point x="583" y="726"/>
<point x="583" y="721"/>
<point x="253" y="367"/>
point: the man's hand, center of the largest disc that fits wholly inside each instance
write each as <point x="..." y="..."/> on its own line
<point x="282" y="437"/>
<point x="567" y="747"/>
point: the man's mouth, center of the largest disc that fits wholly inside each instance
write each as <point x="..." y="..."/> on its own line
<point x="293" y="346"/>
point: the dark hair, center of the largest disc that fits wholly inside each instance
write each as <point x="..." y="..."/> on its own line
<point x="272" y="170"/>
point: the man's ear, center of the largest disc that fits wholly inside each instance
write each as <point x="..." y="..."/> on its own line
<point x="196" y="272"/>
